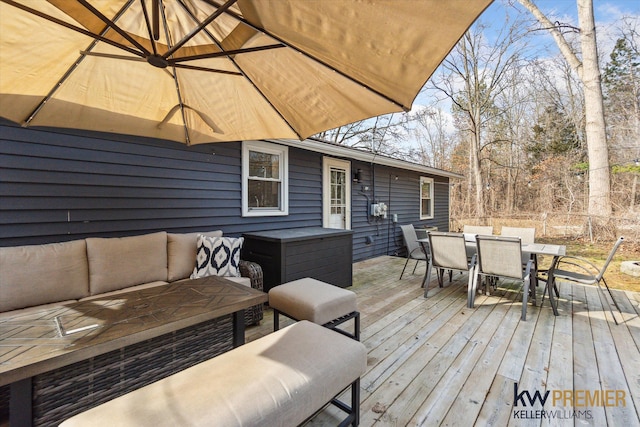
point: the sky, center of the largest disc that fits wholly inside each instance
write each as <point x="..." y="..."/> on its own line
<point x="608" y="16"/>
<point x="607" y="12"/>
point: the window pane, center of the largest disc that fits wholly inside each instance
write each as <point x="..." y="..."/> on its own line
<point x="426" y="207"/>
<point x="264" y="194"/>
<point x="426" y="198"/>
<point x="337" y="210"/>
<point x="426" y="190"/>
<point x="264" y="165"/>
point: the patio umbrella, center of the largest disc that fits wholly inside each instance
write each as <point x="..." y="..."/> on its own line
<point x="201" y="71"/>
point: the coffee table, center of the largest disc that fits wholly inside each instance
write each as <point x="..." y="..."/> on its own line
<point x="64" y="359"/>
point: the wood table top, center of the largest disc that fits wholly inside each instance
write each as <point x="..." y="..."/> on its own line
<point x="37" y="341"/>
<point x="534" y="248"/>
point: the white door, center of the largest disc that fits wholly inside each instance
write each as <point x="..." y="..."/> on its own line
<point x="336" y="193"/>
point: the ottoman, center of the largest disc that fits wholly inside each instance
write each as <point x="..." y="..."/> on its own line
<point x="315" y="301"/>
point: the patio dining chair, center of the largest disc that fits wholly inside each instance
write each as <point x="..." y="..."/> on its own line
<point x="485" y="230"/>
<point x="500" y="256"/>
<point x="414" y="249"/>
<point x="470" y="232"/>
<point x="526" y="235"/>
<point x="447" y="252"/>
<point x="580" y="270"/>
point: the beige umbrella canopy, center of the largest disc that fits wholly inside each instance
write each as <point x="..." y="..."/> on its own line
<point x="201" y="71"/>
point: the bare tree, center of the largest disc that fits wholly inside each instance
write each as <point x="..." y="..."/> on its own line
<point x="434" y="142"/>
<point x="621" y="80"/>
<point x="595" y="130"/>
<point x="472" y="77"/>
<point x="381" y="134"/>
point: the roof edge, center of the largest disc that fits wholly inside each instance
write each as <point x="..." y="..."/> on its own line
<point x="364" y="156"/>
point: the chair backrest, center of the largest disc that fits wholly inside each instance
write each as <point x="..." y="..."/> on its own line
<point x="448" y="250"/>
<point x="421" y="233"/>
<point x="410" y="238"/>
<point x="526" y="235"/>
<point x="499" y="256"/>
<point x="609" y="258"/>
<point x="485" y="230"/>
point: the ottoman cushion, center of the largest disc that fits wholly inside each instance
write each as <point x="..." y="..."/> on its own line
<point x="313" y="300"/>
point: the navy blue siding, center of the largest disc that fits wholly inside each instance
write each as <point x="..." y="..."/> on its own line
<point x="58" y="186"/>
<point x="400" y="190"/>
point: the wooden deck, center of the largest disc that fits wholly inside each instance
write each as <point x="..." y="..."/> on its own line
<point x="435" y="362"/>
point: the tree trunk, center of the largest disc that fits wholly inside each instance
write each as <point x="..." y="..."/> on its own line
<point x="589" y="72"/>
<point x="599" y="174"/>
<point x="477" y="174"/>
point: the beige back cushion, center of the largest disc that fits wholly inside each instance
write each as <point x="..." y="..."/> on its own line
<point x="181" y="252"/>
<point x="120" y="262"/>
<point x="41" y="274"/>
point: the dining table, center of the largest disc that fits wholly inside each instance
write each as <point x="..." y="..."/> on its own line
<point x="533" y="250"/>
<point x="64" y="358"/>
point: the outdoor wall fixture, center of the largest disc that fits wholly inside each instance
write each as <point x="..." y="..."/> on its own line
<point x="369" y="240"/>
<point x="357" y="176"/>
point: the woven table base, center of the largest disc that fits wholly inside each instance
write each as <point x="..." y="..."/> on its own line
<point x="67" y="391"/>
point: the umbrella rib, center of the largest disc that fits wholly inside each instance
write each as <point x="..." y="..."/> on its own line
<point x="230" y="58"/>
<point x="112" y="56"/>
<point x="219" y="11"/>
<point x="111" y="24"/>
<point x="275" y="37"/>
<point x="225" y="53"/>
<point x="208" y="70"/>
<point x="72" y="27"/>
<point x="202" y="116"/>
<point x="152" y="33"/>
<point x="75" y="65"/>
<point x="175" y="81"/>
<point x="136" y="59"/>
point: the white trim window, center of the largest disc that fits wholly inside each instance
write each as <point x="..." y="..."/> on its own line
<point x="265" y="176"/>
<point x="426" y="197"/>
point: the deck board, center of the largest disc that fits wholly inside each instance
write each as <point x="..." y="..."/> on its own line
<point x="435" y="362"/>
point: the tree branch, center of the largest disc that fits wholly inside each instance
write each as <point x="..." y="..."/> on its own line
<point x="564" y="47"/>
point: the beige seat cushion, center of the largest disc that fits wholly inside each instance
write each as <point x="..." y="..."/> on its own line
<point x="277" y="380"/>
<point x="313" y="300"/>
<point x="181" y="253"/>
<point x="40" y="274"/>
<point x="125" y="291"/>
<point x="116" y="263"/>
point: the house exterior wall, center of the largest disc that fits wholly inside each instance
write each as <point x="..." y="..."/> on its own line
<point x="58" y="186"/>
<point x="400" y="190"/>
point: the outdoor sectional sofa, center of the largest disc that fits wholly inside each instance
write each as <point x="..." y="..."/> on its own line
<point x="47" y="276"/>
<point x="58" y="273"/>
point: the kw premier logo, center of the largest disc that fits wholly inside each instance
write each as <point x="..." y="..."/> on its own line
<point x="575" y="403"/>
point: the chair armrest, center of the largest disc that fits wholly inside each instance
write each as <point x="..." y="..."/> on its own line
<point x="577" y="262"/>
<point x="417" y="250"/>
<point x="252" y="270"/>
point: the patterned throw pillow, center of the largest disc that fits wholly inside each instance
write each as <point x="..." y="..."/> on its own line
<point x="217" y="256"/>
